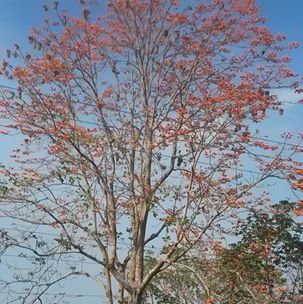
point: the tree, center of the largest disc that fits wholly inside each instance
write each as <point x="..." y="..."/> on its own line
<point x="135" y="126"/>
<point x="278" y="238"/>
<point x="263" y="266"/>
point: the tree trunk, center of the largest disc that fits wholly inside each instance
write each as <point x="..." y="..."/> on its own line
<point x="121" y="295"/>
<point x="135" y="298"/>
<point x="108" y="291"/>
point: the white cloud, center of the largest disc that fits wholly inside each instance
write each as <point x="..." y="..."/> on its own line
<point x="287" y="96"/>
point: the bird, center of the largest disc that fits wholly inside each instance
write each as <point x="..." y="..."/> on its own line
<point x="179" y="159"/>
<point x="117" y="156"/>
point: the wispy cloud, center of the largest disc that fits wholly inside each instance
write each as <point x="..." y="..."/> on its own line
<point x="287" y="96"/>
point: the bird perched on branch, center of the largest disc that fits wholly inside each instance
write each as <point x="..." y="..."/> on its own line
<point x="179" y="159"/>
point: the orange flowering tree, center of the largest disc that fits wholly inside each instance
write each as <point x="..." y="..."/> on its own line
<point x="136" y="125"/>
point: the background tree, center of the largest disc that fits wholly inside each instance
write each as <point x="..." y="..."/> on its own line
<point x="278" y="237"/>
<point x="135" y="126"/>
<point x="263" y="266"/>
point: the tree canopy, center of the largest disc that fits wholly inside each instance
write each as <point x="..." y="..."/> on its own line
<point x="136" y="126"/>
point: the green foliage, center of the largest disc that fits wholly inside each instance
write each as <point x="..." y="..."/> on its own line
<point x="178" y="284"/>
<point x="264" y="266"/>
<point x="281" y="236"/>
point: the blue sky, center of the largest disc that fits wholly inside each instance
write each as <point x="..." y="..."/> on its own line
<point x="18" y="16"/>
<point x="286" y="17"/>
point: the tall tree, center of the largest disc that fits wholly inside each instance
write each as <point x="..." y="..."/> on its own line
<point x="136" y="124"/>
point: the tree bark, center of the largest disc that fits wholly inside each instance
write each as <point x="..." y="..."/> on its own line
<point x="135" y="298"/>
<point x="108" y="291"/>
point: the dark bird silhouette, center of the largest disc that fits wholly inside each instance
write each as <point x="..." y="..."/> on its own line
<point x="179" y="159"/>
